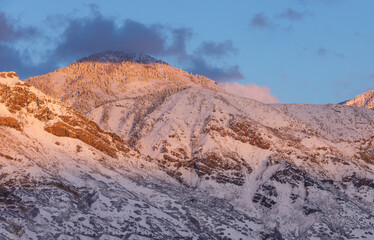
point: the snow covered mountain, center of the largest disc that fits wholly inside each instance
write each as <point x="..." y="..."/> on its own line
<point x="365" y="100"/>
<point x="110" y="76"/>
<point x="62" y="177"/>
<point x="240" y="168"/>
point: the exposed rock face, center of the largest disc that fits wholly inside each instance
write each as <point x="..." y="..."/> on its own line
<point x="8" y="75"/>
<point x="10" y="122"/>
<point x="21" y="99"/>
<point x="365" y="100"/>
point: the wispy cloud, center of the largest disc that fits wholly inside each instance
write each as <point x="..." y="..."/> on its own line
<point x="292" y="15"/>
<point x="218" y="73"/>
<point x="217" y="49"/>
<point x="261" y="21"/>
<point x="253" y="91"/>
<point x="324" y="52"/>
<point x="11" y="31"/>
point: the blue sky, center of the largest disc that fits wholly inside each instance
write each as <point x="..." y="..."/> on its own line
<point x="305" y="51"/>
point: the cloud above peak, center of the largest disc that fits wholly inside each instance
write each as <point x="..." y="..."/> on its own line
<point x="93" y="34"/>
<point x="85" y="36"/>
<point x="200" y="66"/>
<point x="217" y="49"/>
<point x="11" y="31"/>
<point x="81" y="36"/>
<point x="253" y="91"/>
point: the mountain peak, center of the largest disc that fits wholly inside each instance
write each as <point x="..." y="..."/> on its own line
<point x="116" y="57"/>
<point x="90" y="82"/>
<point x="365" y="100"/>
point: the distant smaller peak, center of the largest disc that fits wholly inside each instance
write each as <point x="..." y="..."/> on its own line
<point x="116" y="57"/>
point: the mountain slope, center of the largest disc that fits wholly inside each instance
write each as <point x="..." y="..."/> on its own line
<point x="279" y="157"/>
<point x="58" y="184"/>
<point x="296" y="171"/>
<point x="365" y="100"/>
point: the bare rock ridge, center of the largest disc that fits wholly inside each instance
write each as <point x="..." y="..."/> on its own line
<point x="365" y="100"/>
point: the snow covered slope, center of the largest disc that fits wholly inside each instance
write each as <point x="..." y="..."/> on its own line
<point x="365" y="100"/>
<point x="298" y="168"/>
<point x="62" y="177"/>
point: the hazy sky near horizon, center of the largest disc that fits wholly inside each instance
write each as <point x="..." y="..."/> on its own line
<point x="299" y="51"/>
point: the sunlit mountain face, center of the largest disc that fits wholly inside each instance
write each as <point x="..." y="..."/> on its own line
<point x="124" y="146"/>
<point x="201" y="120"/>
<point x="101" y="78"/>
<point x="365" y="100"/>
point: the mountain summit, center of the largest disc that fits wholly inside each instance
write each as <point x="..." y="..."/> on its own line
<point x="117" y="57"/>
<point x="365" y="100"/>
<point x="106" y="77"/>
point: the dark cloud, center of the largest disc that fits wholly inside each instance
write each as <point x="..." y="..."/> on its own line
<point x="12" y="59"/>
<point x="180" y="38"/>
<point x="86" y="36"/>
<point x="10" y="31"/>
<point x="220" y="74"/>
<point x="261" y="21"/>
<point x="324" y="52"/>
<point x="94" y="34"/>
<point x="79" y="37"/>
<point x="292" y="15"/>
<point x="215" y="49"/>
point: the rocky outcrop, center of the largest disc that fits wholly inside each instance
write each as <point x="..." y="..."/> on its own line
<point x="10" y="122"/>
<point x="8" y="75"/>
<point x="21" y="99"/>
